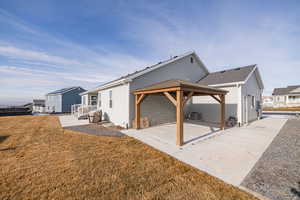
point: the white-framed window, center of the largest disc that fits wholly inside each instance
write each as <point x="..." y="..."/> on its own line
<point x="253" y="101"/>
<point x="110" y="99"/>
<point x="93" y="100"/>
<point x="99" y="99"/>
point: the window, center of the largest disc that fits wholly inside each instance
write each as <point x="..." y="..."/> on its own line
<point x="110" y="99"/>
<point x="99" y="99"/>
<point x="252" y="101"/>
<point x="93" y="100"/>
<point x="192" y="60"/>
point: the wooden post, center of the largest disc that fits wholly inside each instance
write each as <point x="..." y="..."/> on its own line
<point x="222" y="97"/>
<point x="137" y="112"/>
<point x="179" y="118"/>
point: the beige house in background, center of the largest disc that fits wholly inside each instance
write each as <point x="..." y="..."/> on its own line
<point x="286" y="97"/>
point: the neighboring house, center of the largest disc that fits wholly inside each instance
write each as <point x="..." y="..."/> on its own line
<point x="287" y="97"/>
<point x="60" y="101"/>
<point x="267" y="101"/>
<point x="116" y="100"/>
<point x="38" y="105"/>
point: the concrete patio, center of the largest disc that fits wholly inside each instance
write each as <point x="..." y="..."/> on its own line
<point x="228" y="155"/>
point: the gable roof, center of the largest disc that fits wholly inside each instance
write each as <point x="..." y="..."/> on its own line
<point x="293" y="89"/>
<point x="64" y="90"/>
<point x="239" y="74"/>
<point x="131" y="76"/>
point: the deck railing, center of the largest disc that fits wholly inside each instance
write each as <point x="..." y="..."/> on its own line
<point x="79" y="110"/>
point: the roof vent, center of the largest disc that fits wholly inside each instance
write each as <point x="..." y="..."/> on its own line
<point x="237" y="68"/>
<point x="175" y="56"/>
<point x="159" y="63"/>
<point x="223" y="71"/>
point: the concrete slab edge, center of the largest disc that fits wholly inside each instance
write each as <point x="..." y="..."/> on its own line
<point x="257" y="195"/>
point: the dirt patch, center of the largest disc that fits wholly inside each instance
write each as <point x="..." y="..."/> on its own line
<point x="51" y="163"/>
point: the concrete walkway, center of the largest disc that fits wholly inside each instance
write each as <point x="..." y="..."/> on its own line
<point x="70" y="120"/>
<point x="228" y="155"/>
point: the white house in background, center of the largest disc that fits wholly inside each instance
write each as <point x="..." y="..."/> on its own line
<point x="267" y="101"/>
<point x="287" y="97"/>
<point x="116" y="100"/>
<point x="38" y="105"/>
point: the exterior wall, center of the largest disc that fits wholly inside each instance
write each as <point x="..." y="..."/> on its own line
<point x="286" y="100"/>
<point x="87" y="99"/>
<point x="119" y="113"/>
<point x="38" y="108"/>
<point x="84" y="100"/>
<point x="53" y="103"/>
<point x="249" y="89"/>
<point x="210" y="109"/>
<point x="70" y="98"/>
<point x="293" y="100"/>
<point x="158" y="108"/>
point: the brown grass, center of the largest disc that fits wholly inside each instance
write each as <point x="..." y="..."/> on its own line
<point x="39" y="160"/>
<point x="282" y="109"/>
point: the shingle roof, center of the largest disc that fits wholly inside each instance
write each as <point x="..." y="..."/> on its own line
<point x="178" y="83"/>
<point x="148" y="68"/>
<point x="227" y="76"/>
<point x="285" y="91"/>
<point x="63" y="90"/>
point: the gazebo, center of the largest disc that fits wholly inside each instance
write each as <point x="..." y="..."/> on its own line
<point x="179" y="92"/>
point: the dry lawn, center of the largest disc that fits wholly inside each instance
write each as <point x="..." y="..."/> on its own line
<point x="39" y="160"/>
<point x="281" y="109"/>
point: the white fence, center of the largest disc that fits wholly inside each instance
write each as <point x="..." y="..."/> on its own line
<point x="79" y="110"/>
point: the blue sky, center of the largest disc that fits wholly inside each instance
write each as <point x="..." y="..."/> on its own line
<point x="47" y="45"/>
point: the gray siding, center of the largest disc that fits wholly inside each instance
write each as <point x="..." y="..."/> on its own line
<point x="250" y="88"/>
<point x="210" y="109"/>
<point x="70" y="98"/>
<point x="158" y="108"/>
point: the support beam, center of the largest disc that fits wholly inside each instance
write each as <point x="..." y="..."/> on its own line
<point x="188" y="97"/>
<point x="218" y="100"/>
<point x="222" y="97"/>
<point x="170" y="97"/>
<point x="141" y="98"/>
<point x="137" y="112"/>
<point x="179" y="118"/>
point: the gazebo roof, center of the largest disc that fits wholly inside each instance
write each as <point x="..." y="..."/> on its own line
<point x="172" y="85"/>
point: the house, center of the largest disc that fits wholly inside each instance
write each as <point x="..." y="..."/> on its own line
<point x="117" y="101"/>
<point x="287" y="97"/>
<point x="267" y="101"/>
<point x="38" y="105"/>
<point x="60" y="101"/>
